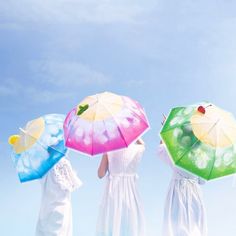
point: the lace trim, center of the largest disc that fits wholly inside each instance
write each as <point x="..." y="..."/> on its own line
<point x="65" y="176"/>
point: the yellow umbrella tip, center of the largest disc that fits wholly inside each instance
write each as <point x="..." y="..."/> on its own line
<point x="13" y="139"/>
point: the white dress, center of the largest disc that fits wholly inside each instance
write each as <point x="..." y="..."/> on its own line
<point x="55" y="217"/>
<point x="234" y="181"/>
<point x="121" y="212"/>
<point x="184" y="210"/>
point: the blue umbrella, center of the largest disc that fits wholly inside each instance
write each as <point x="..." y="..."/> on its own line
<point x="38" y="147"/>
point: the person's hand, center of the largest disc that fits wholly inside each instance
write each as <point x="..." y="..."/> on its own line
<point x="140" y="141"/>
<point x="162" y="123"/>
<point x="103" y="167"/>
<point x="163" y="120"/>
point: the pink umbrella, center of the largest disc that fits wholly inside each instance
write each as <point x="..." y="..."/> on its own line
<point x="104" y="122"/>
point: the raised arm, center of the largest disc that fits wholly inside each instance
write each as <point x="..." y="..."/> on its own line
<point x="140" y="142"/>
<point x="103" y="167"/>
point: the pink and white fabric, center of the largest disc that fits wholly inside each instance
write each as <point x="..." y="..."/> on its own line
<point x="104" y="122"/>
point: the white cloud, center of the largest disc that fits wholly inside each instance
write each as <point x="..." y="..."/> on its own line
<point x="10" y="26"/>
<point x="53" y="80"/>
<point x="70" y="11"/>
<point x="67" y="73"/>
<point x="9" y="88"/>
<point x="5" y="90"/>
<point x="45" y="95"/>
<point x="135" y="83"/>
<point x="13" y="88"/>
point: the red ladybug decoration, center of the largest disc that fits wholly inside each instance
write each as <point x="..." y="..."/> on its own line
<point x="201" y="109"/>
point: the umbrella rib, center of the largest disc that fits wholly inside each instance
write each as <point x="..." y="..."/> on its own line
<point x="141" y="118"/>
<point x="200" y="123"/>
<point x="92" y="138"/>
<point x="196" y="143"/>
<point x="51" y="148"/>
<point x="213" y="164"/>
<point x="27" y="133"/>
<point x="90" y="106"/>
<point x="94" y="120"/>
<point x="122" y="134"/>
<point x="176" y="126"/>
<point x="209" y="131"/>
<point x="226" y="135"/>
<point x="216" y="145"/>
<point x="170" y="128"/>
<point x="47" y="150"/>
<point x="35" y="171"/>
<point x="104" y="126"/>
<point x="117" y="125"/>
<point x="69" y="129"/>
<point x="28" y="156"/>
<point x="37" y="141"/>
<point x="186" y="122"/>
<point x="137" y="115"/>
<point x="114" y="102"/>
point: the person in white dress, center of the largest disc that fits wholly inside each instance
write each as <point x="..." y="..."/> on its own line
<point x="121" y="212"/>
<point x="55" y="217"/>
<point x="184" y="209"/>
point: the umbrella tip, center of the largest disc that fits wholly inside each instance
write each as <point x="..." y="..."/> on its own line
<point x="13" y="139"/>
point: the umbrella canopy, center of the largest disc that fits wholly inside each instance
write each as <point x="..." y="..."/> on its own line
<point x="104" y="122"/>
<point x="38" y="146"/>
<point x="202" y="139"/>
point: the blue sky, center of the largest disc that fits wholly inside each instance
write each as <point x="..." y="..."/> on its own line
<point x="163" y="53"/>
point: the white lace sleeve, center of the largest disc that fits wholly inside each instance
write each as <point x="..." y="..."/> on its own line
<point x="65" y="176"/>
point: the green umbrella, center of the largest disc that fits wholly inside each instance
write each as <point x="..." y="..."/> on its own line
<point x="202" y="140"/>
